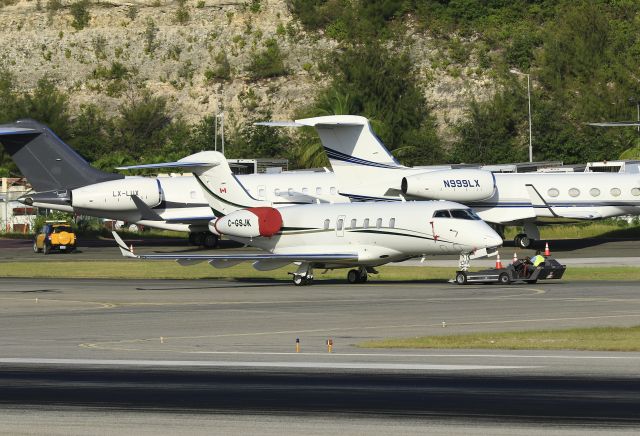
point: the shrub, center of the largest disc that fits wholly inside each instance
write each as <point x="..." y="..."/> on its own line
<point x="80" y="14"/>
<point x="268" y="63"/>
<point x="222" y="70"/>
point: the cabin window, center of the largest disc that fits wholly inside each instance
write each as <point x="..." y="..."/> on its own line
<point x="595" y="192"/>
<point x="276" y="192"/>
<point x="333" y="190"/>
<point x="353" y="223"/>
<point x="615" y="192"/>
<point x="261" y="192"/>
<point x="635" y="192"/>
<point x="392" y="223"/>
<point x="318" y="191"/>
<point x="441" y="214"/>
<point x="574" y="192"/>
<point x="365" y="224"/>
<point x="339" y="224"/>
<point x="193" y="194"/>
<point x="379" y="223"/>
<point x="326" y="224"/>
<point x="290" y="192"/>
<point x="553" y="192"/>
<point x="305" y="191"/>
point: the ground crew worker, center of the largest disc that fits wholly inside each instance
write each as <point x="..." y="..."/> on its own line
<point x="537" y="259"/>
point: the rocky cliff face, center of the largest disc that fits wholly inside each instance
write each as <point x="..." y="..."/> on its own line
<point x="171" y="48"/>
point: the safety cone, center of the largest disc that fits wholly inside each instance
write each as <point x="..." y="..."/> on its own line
<point x="546" y="249"/>
<point x="498" y="263"/>
<point x="515" y="257"/>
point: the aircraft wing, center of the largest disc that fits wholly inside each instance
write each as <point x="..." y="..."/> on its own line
<point x="232" y="259"/>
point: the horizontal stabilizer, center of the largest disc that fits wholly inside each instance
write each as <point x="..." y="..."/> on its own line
<point x="616" y="124"/>
<point x="177" y="164"/>
<point x="6" y="131"/>
<point x="278" y="124"/>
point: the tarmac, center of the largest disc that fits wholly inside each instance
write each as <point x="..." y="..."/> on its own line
<point x="215" y="356"/>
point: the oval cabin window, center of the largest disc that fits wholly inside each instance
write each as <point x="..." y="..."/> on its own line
<point x="594" y="192"/>
<point x="553" y="192"/>
<point x="615" y="192"/>
<point x="574" y="192"/>
<point x="635" y="192"/>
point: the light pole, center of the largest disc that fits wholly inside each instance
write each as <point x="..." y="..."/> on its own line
<point x="529" y="97"/>
<point x="637" y="102"/>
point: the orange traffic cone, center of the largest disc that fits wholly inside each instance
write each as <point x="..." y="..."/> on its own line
<point x="515" y="257"/>
<point x="546" y="249"/>
<point x="498" y="263"/>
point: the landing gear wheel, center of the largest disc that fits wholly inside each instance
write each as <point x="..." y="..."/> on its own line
<point x="198" y="239"/>
<point x="210" y="240"/>
<point x="461" y="278"/>
<point x="35" y="247"/>
<point x="300" y="280"/>
<point x="364" y="277"/>
<point x="504" y="279"/>
<point x="353" y="276"/>
<point x="46" y="249"/>
<point x="523" y="241"/>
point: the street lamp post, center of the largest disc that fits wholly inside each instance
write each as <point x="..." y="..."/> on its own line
<point x="529" y="97"/>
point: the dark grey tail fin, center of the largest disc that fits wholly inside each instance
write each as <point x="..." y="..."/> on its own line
<point x="45" y="160"/>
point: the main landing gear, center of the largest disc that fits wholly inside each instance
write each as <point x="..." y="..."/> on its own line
<point x="523" y="241"/>
<point x="303" y="276"/>
<point x="203" y="239"/>
<point x="359" y="275"/>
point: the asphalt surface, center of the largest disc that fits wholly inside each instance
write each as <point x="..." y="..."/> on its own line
<point x="161" y="346"/>
<point x="187" y="357"/>
<point x="572" y="252"/>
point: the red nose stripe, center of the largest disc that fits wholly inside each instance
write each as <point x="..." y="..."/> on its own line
<point x="269" y="220"/>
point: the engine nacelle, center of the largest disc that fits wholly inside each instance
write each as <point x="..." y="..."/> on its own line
<point x="115" y="195"/>
<point x="453" y="185"/>
<point x="249" y="223"/>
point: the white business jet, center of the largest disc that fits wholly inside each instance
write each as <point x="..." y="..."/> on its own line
<point x="366" y="170"/>
<point x="360" y="236"/>
<point x="63" y="180"/>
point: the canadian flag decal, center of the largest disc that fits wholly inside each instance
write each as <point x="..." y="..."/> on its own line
<point x="223" y="190"/>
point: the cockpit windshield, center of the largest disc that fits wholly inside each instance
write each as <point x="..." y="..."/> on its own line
<point x="464" y="214"/>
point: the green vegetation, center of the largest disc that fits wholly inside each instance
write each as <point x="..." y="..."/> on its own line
<point x="221" y="70"/>
<point x="80" y="13"/>
<point x="267" y="63"/>
<point x="582" y="57"/>
<point x="182" y="13"/>
<point x="609" y="228"/>
<point x="150" y="33"/>
<point x="586" y="339"/>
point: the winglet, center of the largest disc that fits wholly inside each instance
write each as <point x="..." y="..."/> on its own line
<point x="126" y="251"/>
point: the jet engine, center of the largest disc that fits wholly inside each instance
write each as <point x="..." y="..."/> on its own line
<point x="116" y="194"/>
<point x="248" y="223"/>
<point x="453" y="185"/>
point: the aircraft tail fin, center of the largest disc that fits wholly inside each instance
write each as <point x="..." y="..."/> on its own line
<point x="357" y="155"/>
<point x="223" y="191"/>
<point x="46" y="161"/>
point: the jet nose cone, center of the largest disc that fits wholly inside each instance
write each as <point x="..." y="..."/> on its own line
<point x="492" y="240"/>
